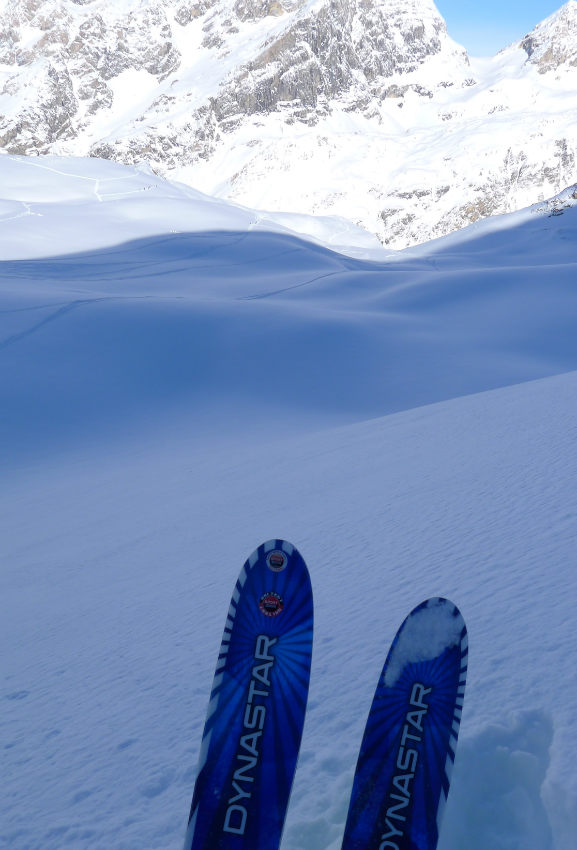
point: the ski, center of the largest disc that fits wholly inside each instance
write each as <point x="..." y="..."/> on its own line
<point x="257" y="706"/>
<point x="403" y="772"/>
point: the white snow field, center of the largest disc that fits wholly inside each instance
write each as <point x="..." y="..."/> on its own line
<point x="182" y="379"/>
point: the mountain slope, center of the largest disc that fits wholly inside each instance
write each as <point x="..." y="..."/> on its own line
<point x="364" y="110"/>
<point x="552" y="44"/>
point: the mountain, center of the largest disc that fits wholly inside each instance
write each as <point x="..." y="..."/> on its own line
<point x="181" y="380"/>
<point x="553" y="44"/>
<point x="358" y="108"/>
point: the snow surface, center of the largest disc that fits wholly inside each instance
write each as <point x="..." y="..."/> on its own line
<point x="171" y="400"/>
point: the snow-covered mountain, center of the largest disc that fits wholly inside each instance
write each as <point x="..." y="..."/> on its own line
<point x="364" y="109"/>
<point x="181" y="380"/>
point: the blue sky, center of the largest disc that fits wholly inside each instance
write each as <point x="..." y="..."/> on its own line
<point x="484" y="27"/>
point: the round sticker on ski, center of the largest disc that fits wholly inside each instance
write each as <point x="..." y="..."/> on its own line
<point x="276" y="561"/>
<point x="271" y="604"/>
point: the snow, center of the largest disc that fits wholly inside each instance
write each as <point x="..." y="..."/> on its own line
<point x="173" y="399"/>
<point x="133" y="91"/>
<point x="358" y="155"/>
<point x="495" y="143"/>
<point x="425" y="635"/>
<point x="104" y="208"/>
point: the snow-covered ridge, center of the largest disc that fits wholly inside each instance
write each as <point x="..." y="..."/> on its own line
<point x="368" y="111"/>
<point x="116" y="203"/>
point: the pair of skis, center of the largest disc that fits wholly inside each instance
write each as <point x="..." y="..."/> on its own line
<point x="257" y="707"/>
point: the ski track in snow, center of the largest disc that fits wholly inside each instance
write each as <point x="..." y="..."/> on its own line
<point x="171" y="400"/>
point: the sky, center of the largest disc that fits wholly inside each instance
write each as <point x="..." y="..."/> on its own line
<point x="485" y="28"/>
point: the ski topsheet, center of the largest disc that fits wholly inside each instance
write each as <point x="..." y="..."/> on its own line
<point x="407" y="753"/>
<point x="257" y="706"/>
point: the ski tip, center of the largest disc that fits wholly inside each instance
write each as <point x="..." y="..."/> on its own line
<point x="441" y="608"/>
<point x="432" y="628"/>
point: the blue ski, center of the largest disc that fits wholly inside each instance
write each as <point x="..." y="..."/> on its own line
<point x="407" y="753"/>
<point x="257" y="706"/>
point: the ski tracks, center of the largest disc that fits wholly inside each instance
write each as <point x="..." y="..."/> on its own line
<point x="57" y="314"/>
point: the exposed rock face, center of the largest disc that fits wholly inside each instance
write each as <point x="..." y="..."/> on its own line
<point x="60" y="58"/>
<point x="553" y="43"/>
<point x="338" y="48"/>
<point x="363" y="108"/>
